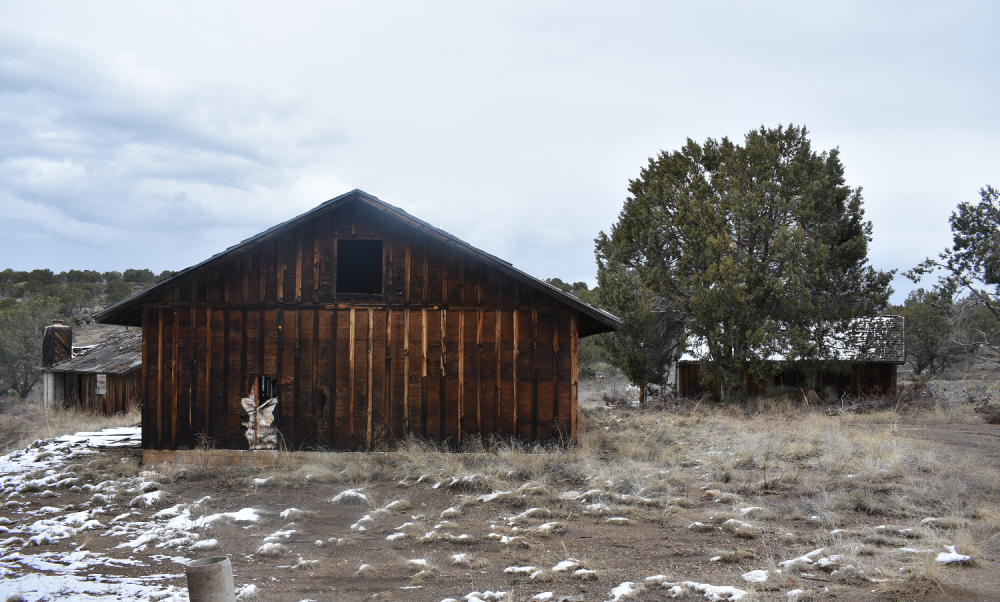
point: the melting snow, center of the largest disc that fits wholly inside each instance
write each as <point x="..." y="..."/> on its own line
<point x="757" y="576"/>
<point x="806" y="559"/>
<point x="715" y="593"/>
<point x="270" y="548"/>
<point x="951" y="556"/>
<point x="38" y="576"/>
<point x="624" y="589"/>
<point x="483" y="596"/>
<point x="350" y="495"/>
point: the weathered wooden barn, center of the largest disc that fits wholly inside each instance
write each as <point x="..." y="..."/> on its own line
<point x="103" y="378"/>
<point x="874" y="352"/>
<point x="366" y="324"/>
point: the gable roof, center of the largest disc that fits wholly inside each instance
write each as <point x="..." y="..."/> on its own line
<point x="120" y="353"/>
<point x="128" y="312"/>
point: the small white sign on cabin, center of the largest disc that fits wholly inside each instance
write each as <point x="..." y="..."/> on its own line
<point x="102" y="384"/>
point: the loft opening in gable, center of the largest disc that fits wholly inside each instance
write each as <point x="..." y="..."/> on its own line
<point x="359" y="267"/>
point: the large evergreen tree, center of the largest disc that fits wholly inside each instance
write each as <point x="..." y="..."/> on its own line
<point x="759" y="250"/>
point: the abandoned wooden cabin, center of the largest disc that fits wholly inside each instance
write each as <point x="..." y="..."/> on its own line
<point x="366" y="324"/>
<point x="103" y="378"/>
<point x="876" y="349"/>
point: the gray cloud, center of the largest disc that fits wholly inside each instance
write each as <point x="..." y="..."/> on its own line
<point x="95" y="149"/>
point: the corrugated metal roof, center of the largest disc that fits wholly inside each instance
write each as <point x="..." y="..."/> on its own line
<point x="120" y="353"/>
<point x="872" y="339"/>
<point x="128" y="312"/>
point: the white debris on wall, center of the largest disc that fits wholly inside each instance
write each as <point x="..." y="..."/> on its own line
<point x="261" y="433"/>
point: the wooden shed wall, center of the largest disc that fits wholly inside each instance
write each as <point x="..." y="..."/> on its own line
<point x="451" y="346"/>
<point x="863" y="379"/>
<point x="79" y="391"/>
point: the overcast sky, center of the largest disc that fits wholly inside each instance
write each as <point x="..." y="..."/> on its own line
<point x="157" y="134"/>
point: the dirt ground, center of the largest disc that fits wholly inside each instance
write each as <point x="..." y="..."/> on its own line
<point x="358" y="559"/>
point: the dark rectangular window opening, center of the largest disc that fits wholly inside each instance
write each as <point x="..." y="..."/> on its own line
<point x="267" y="388"/>
<point x="359" y="267"/>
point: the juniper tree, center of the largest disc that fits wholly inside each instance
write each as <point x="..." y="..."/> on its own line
<point x="931" y="320"/>
<point x="760" y="250"/>
<point x="972" y="265"/>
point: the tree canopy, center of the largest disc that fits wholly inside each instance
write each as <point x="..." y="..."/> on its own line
<point x="931" y="325"/>
<point x="758" y="250"/>
<point x="21" y="328"/>
<point x="972" y="265"/>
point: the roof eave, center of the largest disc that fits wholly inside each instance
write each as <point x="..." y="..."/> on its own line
<point x="128" y="312"/>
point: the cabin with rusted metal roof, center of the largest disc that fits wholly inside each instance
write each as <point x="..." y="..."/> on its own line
<point x="366" y="324"/>
<point x="869" y="355"/>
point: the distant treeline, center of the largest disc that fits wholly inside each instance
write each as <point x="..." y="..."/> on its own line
<point x="75" y="293"/>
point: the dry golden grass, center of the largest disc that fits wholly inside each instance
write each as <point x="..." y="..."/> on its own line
<point x="27" y="421"/>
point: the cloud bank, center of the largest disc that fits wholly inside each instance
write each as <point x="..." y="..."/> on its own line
<point x="102" y="154"/>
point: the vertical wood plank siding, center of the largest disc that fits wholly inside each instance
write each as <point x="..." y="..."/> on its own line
<point x="876" y="378"/>
<point x="451" y="348"/>
<point x="122" y="391"/>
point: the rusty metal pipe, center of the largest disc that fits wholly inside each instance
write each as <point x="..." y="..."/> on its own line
<point x="211" y="580"/>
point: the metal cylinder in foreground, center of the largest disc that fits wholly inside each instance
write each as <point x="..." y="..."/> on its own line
<point x="211" y="580"/>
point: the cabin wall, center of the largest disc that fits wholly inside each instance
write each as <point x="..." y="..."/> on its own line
<point x="350" y="378"/>
<point x="689" y="382"/>
<point x="863" y="379"/>
<point x="452" y="347"/>
<point x="80" y="391"/>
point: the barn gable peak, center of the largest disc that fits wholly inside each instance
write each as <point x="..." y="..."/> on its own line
<point x="129" y="311"/>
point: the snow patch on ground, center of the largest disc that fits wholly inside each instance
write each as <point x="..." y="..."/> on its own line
<point x="714" y="593"/>
<point x="951" y="556"/>
<point x="566" y="565"/>
<point x="624" y="589"/>
<point x="349" y="496"/>
<point x="757" y="576"/>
